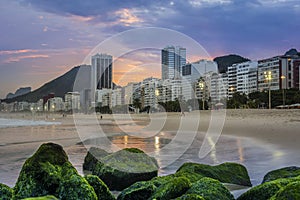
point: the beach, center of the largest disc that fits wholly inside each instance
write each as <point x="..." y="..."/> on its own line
<point x="262" y="140"/>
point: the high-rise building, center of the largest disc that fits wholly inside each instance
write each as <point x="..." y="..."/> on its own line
<point x="232" y="80"/>
<point x="101" y="73"/>
<point x="296" y="75"/>
<point x="172" y="60"/>
<point x="246" y="75"/>
<point x="190" y="73"/>
<point x="268" y="74"/>
<point x="218" y="88"/>
<point x="149" y="91"/>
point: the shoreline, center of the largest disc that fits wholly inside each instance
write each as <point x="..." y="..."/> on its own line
<point x="274" y="130"/>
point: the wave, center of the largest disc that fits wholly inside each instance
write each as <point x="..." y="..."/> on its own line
<point x="6" y="123"/>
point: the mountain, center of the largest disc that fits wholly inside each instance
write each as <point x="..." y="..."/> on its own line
<point x="292" y="52"/>
<point x="59" y="86"/>
<point x="225" y="61"/>
<point x="19" y="92"/>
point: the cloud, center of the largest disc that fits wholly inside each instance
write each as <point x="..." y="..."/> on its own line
<point x="19" y="58"/>
<point x="127" y="17"/>
<point x="20" y="51"/>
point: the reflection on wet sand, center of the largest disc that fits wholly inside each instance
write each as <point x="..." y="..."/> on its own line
<point x="240" y="150"/>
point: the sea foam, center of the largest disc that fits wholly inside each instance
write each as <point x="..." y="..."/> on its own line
<point x="5" y="123"/>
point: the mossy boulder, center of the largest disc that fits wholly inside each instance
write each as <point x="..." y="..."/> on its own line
<point x="286" y="172"/>
<point x="145" y="189"/>
<point x="226" y="173"/>
<point x="100" y="188"/>
<point x="190" y="197"/>
<point x="49" y="197"/>
<point x="210" y="189"/>
<point x="289" y="192"/>
<point x="48" y="172"/>
<point x="92" y="157"/>
<point x="125" y="167"/>
<point x="172" y="189"/>
<point x="193" y="177"/>
<point x="267" y="190"/>
<point x="138" y="191"/>
<point x="6" y="192"/>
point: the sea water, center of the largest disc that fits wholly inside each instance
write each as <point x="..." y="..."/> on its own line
<point x="6" y="123"/>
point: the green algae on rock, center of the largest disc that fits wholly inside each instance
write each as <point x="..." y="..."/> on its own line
<point x="49" y="197"/>
<point x="172" y="189"/>
<point x="100" y="188"/>
<point x="92" y="157"/>
<point x="266" y="190"/>
<point x="286" y="172"/>
<point x="121" y="169"/>
<point x="289" y="192"/>
<point x="6" y="192"/>
<point x="210" y="189"/>
<point x="48" y="172"/>
<point x="138" y="191"/>
<point x="190" y="197"/>
<point x="226" y="173"/>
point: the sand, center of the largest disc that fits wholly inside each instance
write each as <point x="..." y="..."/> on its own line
<point x="261" y="139"/>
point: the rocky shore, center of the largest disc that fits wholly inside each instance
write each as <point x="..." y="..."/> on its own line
<point x="48" y="175"/>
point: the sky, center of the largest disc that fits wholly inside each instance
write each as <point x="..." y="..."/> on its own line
<point x="40" y="39"/>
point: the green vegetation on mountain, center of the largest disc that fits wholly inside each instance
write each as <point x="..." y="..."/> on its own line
<point x="59" y="86"/>
<point x="225" y="61"/>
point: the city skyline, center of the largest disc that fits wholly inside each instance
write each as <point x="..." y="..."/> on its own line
<point x="42" y="40"/>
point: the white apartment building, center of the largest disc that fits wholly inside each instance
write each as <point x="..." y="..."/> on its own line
<point x="104" y="97"/>
<point x="268" y="74"/>
<point x="190" y="73"/>
<point x="218" y="88"/>
<point x="246" y="76"/>
<point x="55" y="104"/>
<point x="149" y="93"/>
<point x="176" y="89"/>
<point x="22" y="106"/>
<point x="72" y="101"/>
<point x="232" y="80"/>
<point x="130" y="92"/>
<point x="116" y="97"/>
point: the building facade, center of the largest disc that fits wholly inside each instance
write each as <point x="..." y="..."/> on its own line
<point x="101" y="73"/>
<point x="172" y="60"/>
<point x="246" y="77"/>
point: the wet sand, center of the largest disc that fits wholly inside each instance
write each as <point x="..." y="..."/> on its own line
<point x="262" y="140"/>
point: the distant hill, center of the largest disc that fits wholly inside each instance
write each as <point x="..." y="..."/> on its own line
<point x="225" y="61"/>
<point x="292" y="52"/>
<point x="59" y="86"/>
<point x="19" y="92"/>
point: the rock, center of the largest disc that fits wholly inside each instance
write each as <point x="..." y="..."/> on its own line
<point x="92" y="157"/>
<point x="226" y="173"/>
<point x="266" y="190"/>
<point x="289" y="192"/>
<point x="48" y="172"/>
<point x="210" y="189"/>
<point x="49" y="197"/>
<point x="193" y="177"/>
<point x="138" y="191"/>
<point x="125" y="167"/>
<point x="286" y="172"/>
<point x="160" y="180"/>
<point x="190" y="197"/>
<point x="100" y="188"/>
<point x="6" y="192"/>
<point x="172" y="189"/>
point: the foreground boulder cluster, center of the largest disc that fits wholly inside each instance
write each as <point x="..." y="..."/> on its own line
<point x="48" y="175"/>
